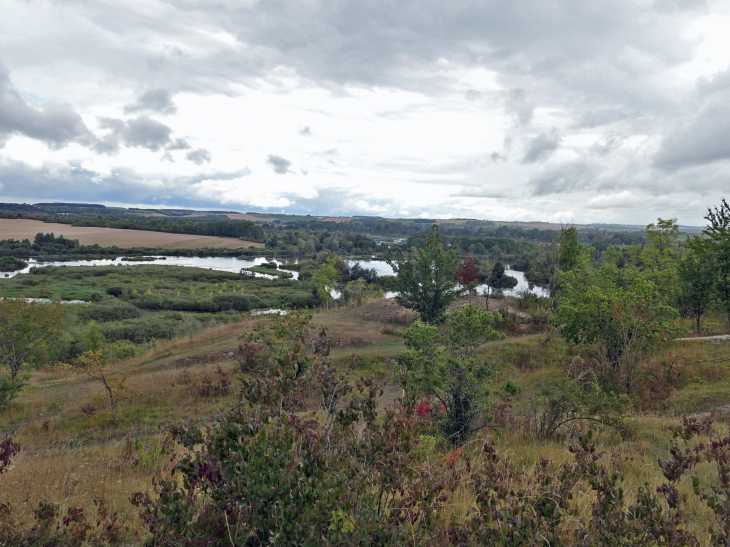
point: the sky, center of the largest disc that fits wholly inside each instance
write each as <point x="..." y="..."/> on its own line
<point x="552" y="110"/>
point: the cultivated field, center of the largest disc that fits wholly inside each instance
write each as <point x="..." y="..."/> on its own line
<point x="106" y="237"/>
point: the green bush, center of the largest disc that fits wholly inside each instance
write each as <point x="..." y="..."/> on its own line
<point x="141" y="331"/>
<point x="235" y="302"/>
<point x="10" y="264"/>
<point x="113" y="311"/>
<point x="206" y="306"/>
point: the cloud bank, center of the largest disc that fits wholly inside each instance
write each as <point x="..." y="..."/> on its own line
<point x="599" y="111"/>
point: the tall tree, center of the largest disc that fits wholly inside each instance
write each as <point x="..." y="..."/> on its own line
<point x="717" y="244"/>
<point x="564" y="255"/>
<point x="425" y="278"/>
<point x="696" y="275"/>
<point x="658" y="259"/>
<point x="325" y="278"/>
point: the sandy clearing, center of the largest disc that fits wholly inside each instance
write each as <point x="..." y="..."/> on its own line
<point x="339" y="219"/>
<point x="107" y="237"/>
<point x="254" y="218"/>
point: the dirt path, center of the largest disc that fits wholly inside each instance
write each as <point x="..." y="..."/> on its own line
<point x="717" y="339"/>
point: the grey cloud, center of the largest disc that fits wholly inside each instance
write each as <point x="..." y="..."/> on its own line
<point x="306" y="132"/>
<point x="199" y="156"/>
<point x="496" y="156"/>
<point x="473" y="95"/>
<point x="141" y="132"/>
<point x="517" y="103"/>
<point x="719" y="83"/>
<point x="705" y="139"/>
<point x="147" y="133"/>
<point x="564" y="178"/>
<point x="606" y="147"/>
<point x="157" y="101"/>
<point x="178" y="144"/>
<point x="54" y="124"/>
<point x="603" y="116"/>
<point x="483" y="192"/>
<point x="71" y="182"/>
<point x="541" y="147"/>
<point x="280" y="165"/>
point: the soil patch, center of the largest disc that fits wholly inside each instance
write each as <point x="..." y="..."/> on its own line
<point x="384" y="311"/>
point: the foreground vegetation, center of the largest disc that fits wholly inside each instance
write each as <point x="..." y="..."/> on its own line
<point x="448" y="419"/>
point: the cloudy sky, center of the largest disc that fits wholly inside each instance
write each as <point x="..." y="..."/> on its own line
<point x="591" y="111"/>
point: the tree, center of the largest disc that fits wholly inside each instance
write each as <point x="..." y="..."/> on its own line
<point x="657" y="260"/>
<point x="100" y="366"/>
<point x="426" y="278"/>
<point x="24" y="328"/>
<point x="447" y="369"/>
<point x="717" y="245"/>
<point x="564" y="255"/>
<point x="498" y="279"/>
<point x="467" y="273"/>
<point x="621" y="321"/>
<point x="358" y="288"/>
<point x="325" y="278"/>
<point x="696" y="278"/>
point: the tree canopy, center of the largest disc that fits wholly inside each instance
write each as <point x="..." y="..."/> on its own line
<point x="426" y="278"/>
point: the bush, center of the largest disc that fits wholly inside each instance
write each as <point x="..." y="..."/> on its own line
<point x="116" y="311"/>
<point x="115" y="291"/>
<point x="11" y="264"/>
<point x="9" y="390"/>
<point x="141" y="331"/>
<point x="206" y="306"/>
<point x="236" y="302"/>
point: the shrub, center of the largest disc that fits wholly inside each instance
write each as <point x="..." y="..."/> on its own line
<point x="235" y="302"/>
<point x="115" y="291"/>
<point x="113" y="311"/>
<point x="206" y="306"/>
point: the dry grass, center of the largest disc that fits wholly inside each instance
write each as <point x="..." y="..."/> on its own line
<point x="70" y="457"/>
<point x="124" y="239"/>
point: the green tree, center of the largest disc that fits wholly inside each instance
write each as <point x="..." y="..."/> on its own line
<point x="24" y="328"/>
<point x="564" y="255"/>
<point x="621" y="321"/>
<point x="717" y="246"/>
<point x="357" y="289"/>
<point x="426" y="278"/>
<point x="325" y="278"/>
<point x="658" y="259"/>
<point x="446" y="368"/>
<point x="696" y="279"/>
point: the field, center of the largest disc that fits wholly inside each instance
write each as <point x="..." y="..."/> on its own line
<point x="108" y="237"/>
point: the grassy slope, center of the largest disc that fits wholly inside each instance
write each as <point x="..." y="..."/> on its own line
<point x="70" y="457"/>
